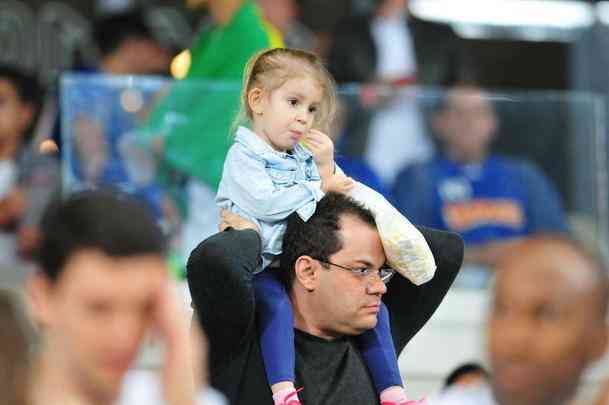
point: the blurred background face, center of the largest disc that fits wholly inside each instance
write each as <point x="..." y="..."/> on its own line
<point x="146" y="57"/>
<point x="472" y="379"/>
<point x="97" y="314"/>
<point x="14" y="114"/>
<point x="279" y="13"/>
<point x="542" y="328"/>
<point x="466" y="124"/>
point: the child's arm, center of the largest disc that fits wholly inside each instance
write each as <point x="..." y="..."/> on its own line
<point x="246" y="182"/>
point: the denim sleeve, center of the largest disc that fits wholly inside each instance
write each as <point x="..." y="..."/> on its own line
<point x="248" y="185"/>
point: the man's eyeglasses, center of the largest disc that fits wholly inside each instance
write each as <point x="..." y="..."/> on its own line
<point x="384" y="273"/>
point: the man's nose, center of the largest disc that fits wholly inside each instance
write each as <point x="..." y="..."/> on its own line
<point x="517" y="337"/>
<point x="376" y="286"/>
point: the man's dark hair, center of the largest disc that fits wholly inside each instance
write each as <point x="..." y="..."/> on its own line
<point x="464" y="369"/>
<point x="104" y="220"/>
<point x="111" y="31"/>
<point x="318" y="237"/>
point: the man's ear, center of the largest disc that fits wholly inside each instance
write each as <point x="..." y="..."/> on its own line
<point x="255" y="99"/>
<point x="307" y="272"/>
<point x="38" y="289"/>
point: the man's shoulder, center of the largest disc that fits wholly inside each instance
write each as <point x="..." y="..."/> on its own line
<point x="430" y="168"/>
<point x="518" y="169"/>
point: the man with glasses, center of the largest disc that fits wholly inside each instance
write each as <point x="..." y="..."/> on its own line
<point x="333" y="269"/>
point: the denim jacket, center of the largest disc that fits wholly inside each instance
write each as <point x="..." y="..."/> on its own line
<point x="266" y="186"/>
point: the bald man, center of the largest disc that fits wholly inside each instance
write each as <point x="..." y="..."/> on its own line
<point x="547" y="323"/>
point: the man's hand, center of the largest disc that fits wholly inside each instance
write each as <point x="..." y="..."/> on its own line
<point x="170" y="320"/>
<point x="231" y="220"/>
<point x="338" y="183"/>
<point x="322" y="148"/>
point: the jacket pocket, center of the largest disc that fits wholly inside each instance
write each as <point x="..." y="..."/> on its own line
<point x="282" y="177"/>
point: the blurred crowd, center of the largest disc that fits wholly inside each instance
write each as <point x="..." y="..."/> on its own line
<point x="83" y="325"/>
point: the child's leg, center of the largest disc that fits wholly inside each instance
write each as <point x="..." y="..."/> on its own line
<point x="378" y="351"/>
<point x="276" y="321"/>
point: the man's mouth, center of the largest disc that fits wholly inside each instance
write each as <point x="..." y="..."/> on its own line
<point x="375" y="307"/>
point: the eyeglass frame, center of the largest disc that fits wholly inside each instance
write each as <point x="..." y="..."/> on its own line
<point x="359" y="273"/>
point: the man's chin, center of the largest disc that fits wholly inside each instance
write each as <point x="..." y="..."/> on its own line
<point x="365" y="324"/>
<point x="507" y="396"/>
<point x="110" y="382"/>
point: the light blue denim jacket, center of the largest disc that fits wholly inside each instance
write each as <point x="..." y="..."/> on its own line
<point x="266" y="186"/>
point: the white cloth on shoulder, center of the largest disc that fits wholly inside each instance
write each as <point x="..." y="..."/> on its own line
<point x="405" y="247"/>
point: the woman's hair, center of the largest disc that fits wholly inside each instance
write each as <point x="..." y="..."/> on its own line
<point x="271" y="68"/>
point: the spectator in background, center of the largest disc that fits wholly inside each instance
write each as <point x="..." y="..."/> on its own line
<point x="465" y="379"/>
<point x="491" y="200"/>
<point x="548" y="321"/>
<point x="283" y="14"/>
<point x="466" y="375"/>
<point x="126" y="46"/>
<point x="321" y="17"/>
<point x="388" y="45"/>
<point x="14" y="352"/>
<point x="547" y="325"/>
<point x="103" y="115"/>
<point x="19" y="104"/>
<point x="384" y="50"/>
<point x="102" y="285"/>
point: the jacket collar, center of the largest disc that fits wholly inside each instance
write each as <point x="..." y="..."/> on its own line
<point x="252" y="142"/>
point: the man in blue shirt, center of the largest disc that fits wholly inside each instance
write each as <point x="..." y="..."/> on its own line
<point x="489" y="199"/>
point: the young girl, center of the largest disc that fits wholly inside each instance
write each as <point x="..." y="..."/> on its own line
<point x="268" y="175"/>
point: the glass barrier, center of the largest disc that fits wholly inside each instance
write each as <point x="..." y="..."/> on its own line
<point x="491" y="166"/>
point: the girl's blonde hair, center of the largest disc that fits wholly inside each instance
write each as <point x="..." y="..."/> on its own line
<point x="271" y="68"/>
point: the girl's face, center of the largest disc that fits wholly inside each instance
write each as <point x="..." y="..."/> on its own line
<point x="284" y="116"/>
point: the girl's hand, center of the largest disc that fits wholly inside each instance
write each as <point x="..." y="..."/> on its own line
<point x="231" y="220"/>
<point x="322" y="148"/>
<point x="337" y="183"/>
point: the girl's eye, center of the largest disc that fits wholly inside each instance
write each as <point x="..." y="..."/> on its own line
<point x="292" y="101"/>
<point x="312" y="109"/>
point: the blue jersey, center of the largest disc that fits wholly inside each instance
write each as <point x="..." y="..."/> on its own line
<point x="496" y="200"/>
